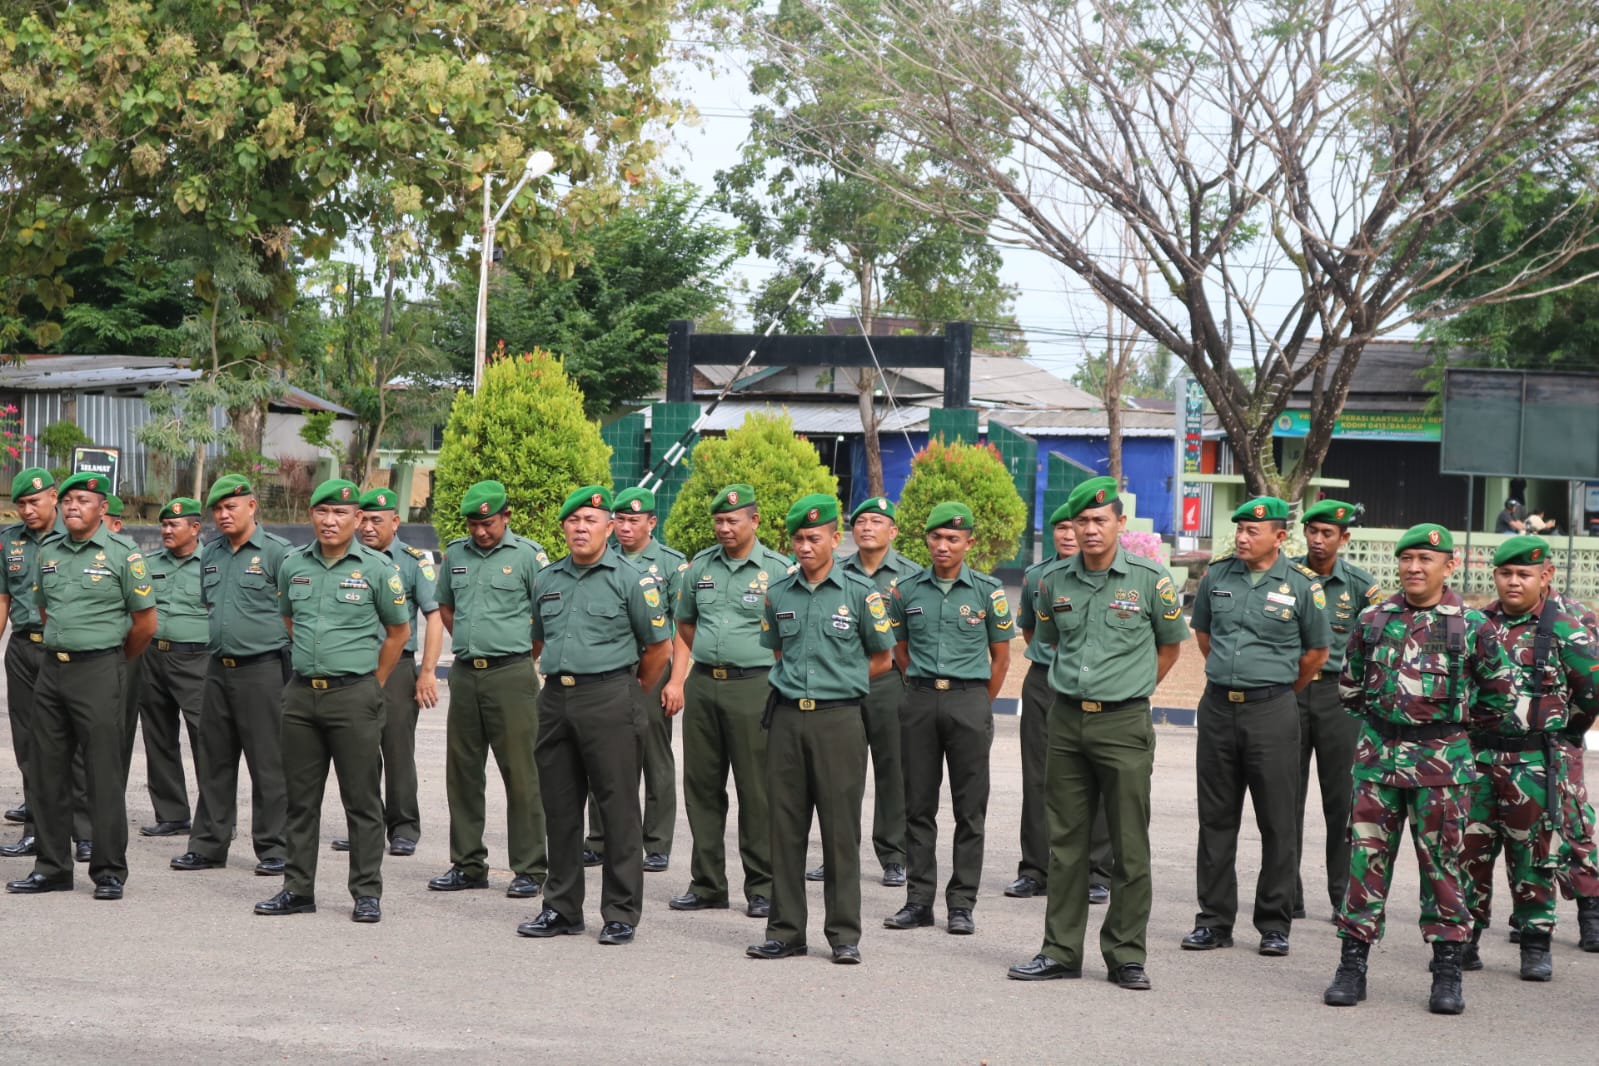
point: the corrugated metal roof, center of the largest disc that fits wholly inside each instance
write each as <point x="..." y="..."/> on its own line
<point x="1057" y="423"/>
<point x="134" y="374"/>
<point x="995" y="379"/>
<point x="294" y="399"/>
<point x="810" y="418"/>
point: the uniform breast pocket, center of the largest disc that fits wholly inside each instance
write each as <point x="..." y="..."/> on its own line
<point x="355" y="597"/>
<point x="788" y="628"/>
<point x="706" y="597"/>
<point x="1125" y="619"/>
<point x="1067" y="620"/>
<point x="252" y="581"/>
<point x="551" y="609"/>
<point x="1222" y="602"/>
<point x="602" y="613"/>
<point x="1432" y="673"/>
<point x="299" y="593"/>
<point x="505" y="582"/>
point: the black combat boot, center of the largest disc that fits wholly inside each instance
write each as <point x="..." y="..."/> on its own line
<point x="1588" y="922"/>
<point x="1349" y="982"/>
<point x="1447" y="995"/>
<point x="1535" y="962"/>
<point x="1471" y="958"/>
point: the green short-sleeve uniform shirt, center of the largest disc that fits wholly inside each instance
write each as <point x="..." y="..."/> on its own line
<point x="22" y="561"/>
<point x="420" y="579"/>
<point x="1038" y="651"/>
<point x="594" y="619"/>
<point x="240" y="590"/>
<point x="1259" y="629"/>
<point x="333" y="605"/>
<point x="947" y="634"/>
<point x="88" y="588"/>
<point x="893" y="569"/>
<point x="491" y="593"/>
<point x="826" y="634"/>
<point x="665" y="565"/>
<point x="724" y="599"/>
<point x="180" y="614"/>
<point x="1104" y="626"/>
<point x="1349" y="590"/>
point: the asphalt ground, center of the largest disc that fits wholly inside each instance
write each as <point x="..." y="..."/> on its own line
<point x="181" y="970"/>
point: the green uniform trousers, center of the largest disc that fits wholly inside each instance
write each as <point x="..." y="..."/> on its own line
<point x="242" y="715"/>
<point x="1247" y="746"/>
<point x="881" y="715"/>
<point x="77" y="706"/>
<point x="590" y="741"/>
<point x="174" y="692"/>
<point x="342" y="724"/>
<point x="494" y="710"/>
<point x="1331" y="732"/>
<point x="660" y="778"/>
<point x="24" y="656"/>
<point x="1099" y="765"/>
<point x="402" y="813"/>
<point x="1037" y="700"/>
<point x="721" y="732"/>
<point x="953" y="727"/>
<point x="132" y="686"/>
<point x="816" y="761"/>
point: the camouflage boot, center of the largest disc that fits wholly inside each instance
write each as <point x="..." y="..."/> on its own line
<point x="1447" y="995"/>
<point x="1349" y="982"/>
<point x="1588" y="922"/>
<point x="1535" y="962"/>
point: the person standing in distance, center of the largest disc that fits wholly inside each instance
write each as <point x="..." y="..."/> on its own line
<point x="1261" y="623"/>
<point x="719" y="683"/>
<point x="243" y="684"/>
<point x="1116" y="623"/>
<point x="830" y="634"/>
<point x="595" y="612"/>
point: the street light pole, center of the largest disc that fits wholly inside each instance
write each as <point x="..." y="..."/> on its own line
<point x="538" y="164"/>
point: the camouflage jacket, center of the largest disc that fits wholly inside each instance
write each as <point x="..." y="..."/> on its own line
<point x="1570" y="673"/>
<point x="1578" y="610"/>
<point x="1398" y="670"/>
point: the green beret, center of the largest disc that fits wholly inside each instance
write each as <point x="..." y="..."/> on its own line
<point x="1522" y="551"/>
<point x="113" y="505"/>
<point x="1095" y="492"/>
<point x="951" y="515"/>
<point x="634" y="501"/>
<point x="817" y="509"/>
<point x="225" y="486"/>
<point x="181" y="507"/>
<point x="588" y="496"/>
<point x="873" y="505"/>
<point x="379" y="500"/>
<point x="27" y="482"/>
<point x="86" y="479"/>
<point x="1428" y="535"/>
<point x="733" y="497"/>
<point x="337" y="491"/>
<point x="1063" y="513"/>
<point x="1262" y="509"/>
<point x="483" y="499"/>
<point x="1332" y="512"/>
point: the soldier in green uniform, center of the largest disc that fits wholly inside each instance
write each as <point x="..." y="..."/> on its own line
<point x="345" y="608"/>
<point x="1325" y="728"/>
<point x="243" y="684"/>
<point x="719" y="683"/>
<point x="595" y="612"/>
<point x="410" y="686"/>
<point x="173" y="671"/>
<point x="830" y="633"/>
<point x="954" y="626"/>
<point x="113" y="512"/>
<point x="1116" y="623"/>
<point x="1261" y="623"/>
<point x="635" y="522"/>
<point x="486" y="598"/>
<point x="95" y="598"/>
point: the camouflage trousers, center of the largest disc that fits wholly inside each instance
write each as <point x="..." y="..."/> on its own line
<point x="1508" y="812"/>
<point x="1377" y="818"/>
<point x="1578" y="872"/>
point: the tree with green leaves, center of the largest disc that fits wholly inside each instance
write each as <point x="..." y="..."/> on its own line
<point x="972" y="474"/>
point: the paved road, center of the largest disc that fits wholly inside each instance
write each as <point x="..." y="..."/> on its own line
<point x="181" y="971"/>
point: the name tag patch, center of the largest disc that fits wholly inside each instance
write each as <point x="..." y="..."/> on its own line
<point x="299" y="581"/>
<point x="549" y="596"/>
<point x="210" y="570"/>
<point x="1278" y="597"/>
<point x="785" y="615"/>
<point x="912" y="610"/>
<point x="457" y="569"/>
<point x="705" y="584"/>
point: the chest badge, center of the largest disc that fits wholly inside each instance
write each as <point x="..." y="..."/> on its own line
<point x="505" y="569"/>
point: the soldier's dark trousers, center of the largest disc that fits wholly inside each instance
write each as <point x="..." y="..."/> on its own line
<point x="881" y="715"/>
<point x="816" y="761"/>
<point x="954" y="727"/>
<point x="78" y="707"/>
<point x="1437" y="828"/>
<point x="1037" y="699"/>
<point x="721" y="732"/>
<point x="174" y="694"/>
<point x="242" y="716"/>
<point x="660" y="779"/>
<point x="494" y="710"/>
<point x="1507" y="810"/>
<point x="342" y="724"/>
<point x="1253" y="747"/>
<point x="1100" y="764"/>
<point x="402" y="814"/>
<point x="1330" y="732"/>
<point x="589" y="741"/>
<point x="24" y="656"/>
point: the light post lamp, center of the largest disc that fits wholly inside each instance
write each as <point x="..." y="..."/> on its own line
<point x="538" y="164"/>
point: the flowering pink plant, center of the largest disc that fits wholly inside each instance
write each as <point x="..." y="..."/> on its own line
<point x="1149" y="545"/>
<point x="11" y="430"/>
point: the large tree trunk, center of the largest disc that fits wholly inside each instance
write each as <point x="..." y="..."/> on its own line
<point x="869" y="434"/>
<point x="250" y="422"/>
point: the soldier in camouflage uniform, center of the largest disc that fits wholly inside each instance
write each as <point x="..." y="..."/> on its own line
<point x="1577" y="872"/>
<point x="1522" y="799"/>
<point x="1411" y="670"/>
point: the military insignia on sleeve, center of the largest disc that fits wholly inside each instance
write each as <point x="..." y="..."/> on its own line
<point x="658" y="621"/>
<point x="874" y="604"/>
<point x="1318" y="595"/>
<point x="1170" y="608"/>
<point x="396" y="586"/>
<point x="427" y="571"/>
<point x="136" y="567"/>
<point x="1001" y="605"/>
<point x="1374" y="593"/>
<point x="652" y="596"/>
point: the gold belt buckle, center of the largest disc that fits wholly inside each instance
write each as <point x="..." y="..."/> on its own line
<point x="1092" y="706"/>
<point x="230" y="663"/>
<point x="319" y="682"/>
<point x="941" y="683"/>
<point x="37" y="638"/>
<point x="568" y="681"/>
<point x="480" y="664"/>
<point x="719" y="673"/>
<point x="1235" y="696"/>
<point x="63" y="656"/>
<point x="807" y="705"/>
<point x="163" y="645"/>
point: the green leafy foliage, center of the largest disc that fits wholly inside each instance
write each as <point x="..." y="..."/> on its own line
<point x="972" y="474"/>
<point x="58" y="439"/>
<point x="181" y="427"/>
<point x="525" y="428"/>
<point x="763" y="453"/>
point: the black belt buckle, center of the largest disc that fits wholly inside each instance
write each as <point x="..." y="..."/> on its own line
<point x="806" y="705"/>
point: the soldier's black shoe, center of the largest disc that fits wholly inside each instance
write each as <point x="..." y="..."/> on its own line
<point x="193" y="860"/>
<point x="592" y="857"/>
<point x="688" y="901"/>
<point x="1471" y="958"/>
<point x="616" y="933"/>
<point x="817" y="874"/>
<point x="960" y="922"/>
<point x="367" y="910"/>
<point x="1536" y="965"/>
<point x="758" y="907"/>
<point x="1448" y="997"/>
<point x="18" y="814"/>
<point x="286" y="902"/>
<point x="1024" y="887"/>
<point x="523" y="886"/>
<point x="1098" y="893"/>
<point x="894" y="875"/>
<point x="1515" y="930"/>
<point x="656" y="862"/>
<point x="1587" y="922"/>
<point x="341" y="844"/>
<point x="1349" y="982"/>
<point x="550" y="922"/>
<point x="164" y="829"/>
<point x="1207" y="938"/>
<point x="1042" y="968"/>
<point x="910" y="916"/>
<point x="454" y="880"/>
<point x="1129" y="975"/>
<point x="108" y="886"/>
<point x="36" y="883"/>
<point x="1274" y="944"/>
<point x="847" y="955"/>
<point x="774" y="949"/>
<point x="84" y="851"/>
<point x="270" y="868"/>
<point x="22" y="848"/>
<point x="402" y="846"/>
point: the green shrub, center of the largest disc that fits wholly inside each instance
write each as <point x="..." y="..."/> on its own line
<point x="58" y="440"/>
<point x="525" y="428"/>
<point x="763" y="453"/>
<point x="972" y="474"/>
